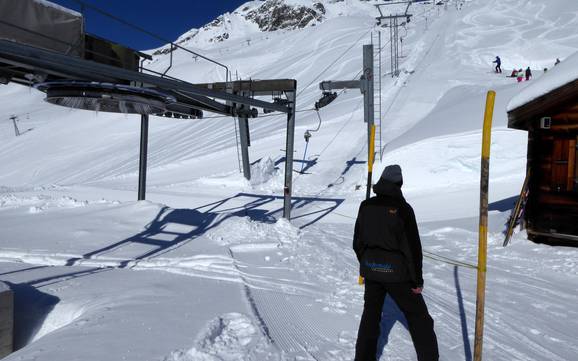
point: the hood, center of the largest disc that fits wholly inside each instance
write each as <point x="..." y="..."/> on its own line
<point x="387" y="188"/>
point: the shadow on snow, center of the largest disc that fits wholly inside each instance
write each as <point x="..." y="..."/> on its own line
<point x="173" y="228"/>
<point x="392" y="314"/>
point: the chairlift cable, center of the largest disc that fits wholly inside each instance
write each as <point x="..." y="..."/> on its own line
<point x="335" y="61"/>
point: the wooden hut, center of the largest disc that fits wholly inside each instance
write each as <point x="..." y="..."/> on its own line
<point x="548" y="110"/>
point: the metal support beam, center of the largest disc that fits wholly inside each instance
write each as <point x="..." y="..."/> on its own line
<point x="254" y="87"/>
<point x="144" y="139"/>
<point x="339" y="84"/>
<point x="243" y="125"/>
<point x="379" y="96"/>
<point x="288" y="189"/>
<point x="244" y="135"/>
<point x="367" y="90"/>
<point x="369" y="107"/>
<point x="80" y="69"/>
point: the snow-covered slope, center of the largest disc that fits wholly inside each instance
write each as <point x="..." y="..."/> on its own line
<point x="206" y="269"/>
<point x="561" y="75"/>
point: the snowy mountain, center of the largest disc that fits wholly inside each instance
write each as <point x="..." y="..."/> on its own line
<point x="206" y="269"/>
<point x="253" y="17"/>
<point x="260" y="16"/>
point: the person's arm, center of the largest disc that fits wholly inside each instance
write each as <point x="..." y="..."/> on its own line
<point x="412" y="234"/>
<point x="357" y="240"/>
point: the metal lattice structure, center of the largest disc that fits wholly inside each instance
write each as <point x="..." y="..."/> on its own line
<point x="394" y="20"/>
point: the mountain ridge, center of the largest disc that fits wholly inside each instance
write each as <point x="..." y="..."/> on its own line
<point x="269" y="16"/>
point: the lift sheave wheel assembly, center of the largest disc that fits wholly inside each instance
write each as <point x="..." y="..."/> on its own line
<point x="113" y="98"/>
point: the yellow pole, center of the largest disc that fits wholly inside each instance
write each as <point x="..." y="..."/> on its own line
<point x="370" y="160"/>
<point x="483" y="237"/>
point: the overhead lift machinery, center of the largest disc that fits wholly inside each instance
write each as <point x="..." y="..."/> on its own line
<point x="45" y="46"/>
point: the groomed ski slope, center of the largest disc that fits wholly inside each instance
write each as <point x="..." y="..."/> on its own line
<point x="206" y="269"/>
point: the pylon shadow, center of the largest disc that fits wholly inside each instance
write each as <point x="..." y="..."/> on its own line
<point x="306" y="164"/>
<point x="174" y="228"/>
<point x="348" y="165"/>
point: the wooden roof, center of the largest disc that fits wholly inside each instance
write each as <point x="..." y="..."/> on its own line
<point x="556" y="101"/>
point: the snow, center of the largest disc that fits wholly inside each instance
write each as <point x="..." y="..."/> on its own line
<point x="564" y="73"/>
<point x="4" y="287"/>
<point x="58" y="7"/>
<point x="206" y="268"/>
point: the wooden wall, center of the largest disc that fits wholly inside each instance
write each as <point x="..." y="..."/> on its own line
<point x="553" y="192"/>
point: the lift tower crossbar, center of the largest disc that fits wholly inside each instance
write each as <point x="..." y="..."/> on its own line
<point x="365" y="84"/>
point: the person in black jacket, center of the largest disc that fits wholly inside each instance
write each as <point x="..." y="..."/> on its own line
<point x="528" y="73"/>
<point x="387" y="244"/>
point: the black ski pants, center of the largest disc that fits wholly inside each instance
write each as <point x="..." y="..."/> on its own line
<point x="420" y="323"/>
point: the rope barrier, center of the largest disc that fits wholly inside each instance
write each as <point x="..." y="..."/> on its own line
<point x="443" y="259"/>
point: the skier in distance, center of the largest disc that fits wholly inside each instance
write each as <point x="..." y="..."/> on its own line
<point x="528" y="73"/>
<point x="520" y="77"/>
<point x="498" y="63"/>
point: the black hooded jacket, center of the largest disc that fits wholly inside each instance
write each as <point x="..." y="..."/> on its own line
<point x="371" y="229"/>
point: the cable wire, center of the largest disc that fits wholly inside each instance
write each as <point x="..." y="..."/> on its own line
<point x="334" y="62"/>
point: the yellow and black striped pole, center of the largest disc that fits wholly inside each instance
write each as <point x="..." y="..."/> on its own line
<point x="483" y="237"/>
<point x="370" y="159"/>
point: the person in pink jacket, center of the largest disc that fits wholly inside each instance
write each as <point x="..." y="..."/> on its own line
<point x="520" y="75"/>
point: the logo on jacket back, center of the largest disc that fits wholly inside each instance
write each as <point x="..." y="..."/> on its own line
<point x="379" y="267"/>
<point x="392" y="211"/>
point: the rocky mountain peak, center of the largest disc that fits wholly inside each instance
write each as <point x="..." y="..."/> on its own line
<point x="275" y="15"/>
<point x="262" y="16"/>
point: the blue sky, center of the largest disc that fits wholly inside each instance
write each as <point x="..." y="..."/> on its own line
<point x="167" y="18"/>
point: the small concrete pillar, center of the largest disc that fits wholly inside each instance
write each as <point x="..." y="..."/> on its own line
<point x="6" y="320"/>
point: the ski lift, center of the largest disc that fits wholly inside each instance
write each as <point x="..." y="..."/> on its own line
<point x="326" y="99"/>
